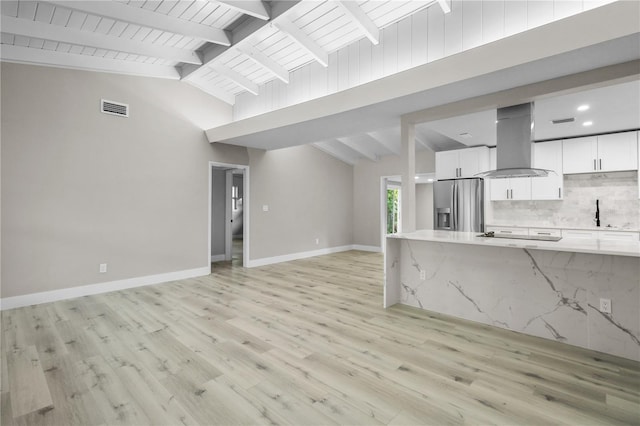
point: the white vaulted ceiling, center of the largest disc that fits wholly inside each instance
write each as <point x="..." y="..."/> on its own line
<point x="223" y="47"/>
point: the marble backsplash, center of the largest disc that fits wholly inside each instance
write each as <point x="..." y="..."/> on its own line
<point x="617" y="192"/>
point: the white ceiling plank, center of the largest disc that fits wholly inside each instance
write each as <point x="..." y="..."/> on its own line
<point x="27" y="9"/>
<point x="214" y="91"/>
<point x="314" y="49"/>
<point x="92" y="63"/>
<point x="85" y="38"/>
<point x="360" y="18"/>
<point x="144" y="17"/>
<point x="44" y="13"/>
<point x="444" y="4"/>
<point x="361" y="148"/>
<point x="237" y="78"/>
<point x="392" y="144"/>
<point x="9" y="8"/>
<point x="269" y="64"/>
<point x="425" y="143"/>
<point x="332" y="151"/>
<point x="255" y="8"/>
<point x="242" y="36"/>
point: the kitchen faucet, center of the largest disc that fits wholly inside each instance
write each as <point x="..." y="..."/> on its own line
<point x="598" y="213"/>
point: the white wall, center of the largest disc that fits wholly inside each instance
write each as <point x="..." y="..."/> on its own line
<point x="309" y="195"/>
<point x="424" y="206"/>
<point x="366" y="193"/>
<point x="421" y="38"/>
<point x="81" y="188"/>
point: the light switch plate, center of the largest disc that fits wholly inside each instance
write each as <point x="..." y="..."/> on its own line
<point x="265" y="208"/>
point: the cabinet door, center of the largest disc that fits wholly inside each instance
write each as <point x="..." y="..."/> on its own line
<point x="499" y="189"/>
<point x="545" y="232"/>
<point x="447" y="165"/>
<point x="580" y="234"/>
<point x="579" y="155"/>
<point x="618" y="151"/>
<point x="547" y="155"/>
<point x="507" y="230"/>
<point x="473" y="161"/>
<point x="520" y="188"/>
<point x="617" y="236"/>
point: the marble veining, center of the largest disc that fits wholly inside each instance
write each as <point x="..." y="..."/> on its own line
<point x="544" y="293"/>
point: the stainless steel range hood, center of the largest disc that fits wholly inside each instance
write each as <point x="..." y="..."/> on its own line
<point x="513" y="144"/>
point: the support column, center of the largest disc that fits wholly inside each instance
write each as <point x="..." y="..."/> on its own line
<point x="408" y="156"/>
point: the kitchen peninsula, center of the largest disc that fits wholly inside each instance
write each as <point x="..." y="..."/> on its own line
<point x="549" y="289"/>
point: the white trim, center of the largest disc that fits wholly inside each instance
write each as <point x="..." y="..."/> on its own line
<point x="218" y="258"/>
<point x="106" y="287"/>
<point x="245" y="208"/>
<point x="306" y="254"/>
<point x="373" y="249"/>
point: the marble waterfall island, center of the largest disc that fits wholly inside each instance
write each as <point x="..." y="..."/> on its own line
<point x="542" y="288"/>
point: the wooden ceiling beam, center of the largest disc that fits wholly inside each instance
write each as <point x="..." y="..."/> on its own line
<point x="34" y="29"/>
<point x="266" y="62"/>
<point x="27" y="55"/>
<point x="361" y="19"/>
<point x="256" y="8"/>
<point x="147" y="18"/>
<point x="299" y="36"/>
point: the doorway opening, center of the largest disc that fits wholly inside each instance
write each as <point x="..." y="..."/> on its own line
<point x="393" y="210"/>
<point x="228" y="215"/>
<point x="390" y="207"/>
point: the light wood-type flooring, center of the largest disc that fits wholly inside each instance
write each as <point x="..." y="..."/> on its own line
<point x="302" y="343"/>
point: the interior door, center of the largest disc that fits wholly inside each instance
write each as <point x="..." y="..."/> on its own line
<point x="228" y="232"/>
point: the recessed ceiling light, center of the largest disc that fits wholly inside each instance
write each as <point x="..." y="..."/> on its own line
<point x="587" y="123"/>
<point x="465" y="135"/>
<point x="417" y="177"/>
<point x="430" y="180"/>
<point x="583" y="107"/>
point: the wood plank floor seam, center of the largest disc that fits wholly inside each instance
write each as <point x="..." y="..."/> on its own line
<point x="305" y="342"/>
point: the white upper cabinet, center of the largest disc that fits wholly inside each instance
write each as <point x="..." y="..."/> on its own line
<point x="447" y="164"/>
<point x="547" y="155"/>
<point x="604" y="153"/>
<point x="580" y="155"/>
<point x="462" y="163"/>
<point x="618" y="151"/>
<point x="508" y="188"/>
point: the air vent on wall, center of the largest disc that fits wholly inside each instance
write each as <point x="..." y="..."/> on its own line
<point x="114" y="108"/>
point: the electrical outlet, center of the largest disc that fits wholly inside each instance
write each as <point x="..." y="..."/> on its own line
<point x="103" y="268"/>
<point x="423" y="275"/>
<point x="265" y="208"/>
<point x="317" y="241"/>
<point x="605" y="306"/>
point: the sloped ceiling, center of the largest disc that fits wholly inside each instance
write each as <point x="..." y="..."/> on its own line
<point x="223" y="47"/>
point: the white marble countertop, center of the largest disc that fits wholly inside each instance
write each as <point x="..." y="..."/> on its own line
<point x="576" y="228"/>
<point x="593" y="246"/>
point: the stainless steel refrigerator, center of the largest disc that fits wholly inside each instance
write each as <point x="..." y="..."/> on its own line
<point x="458" y="205"/>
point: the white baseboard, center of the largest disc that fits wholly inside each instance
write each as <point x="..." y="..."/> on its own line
<point x="217" y="258"/>
<point x="87" y="290"/>
<point x="306" y="254"/>
<point x="374" y="249"/>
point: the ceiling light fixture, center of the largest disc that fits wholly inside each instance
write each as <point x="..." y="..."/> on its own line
<point x="583" y="107"/>
<point x="587" y="123"/>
